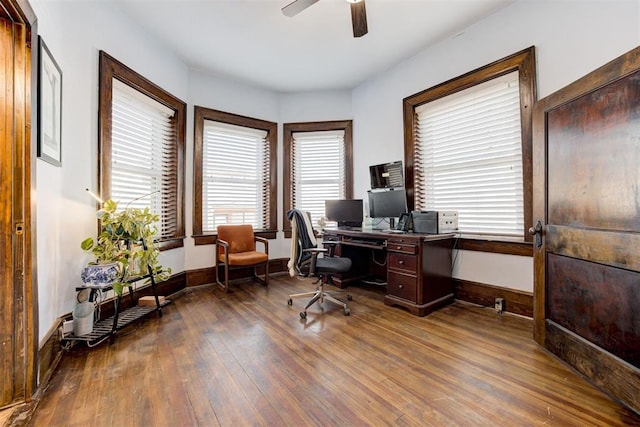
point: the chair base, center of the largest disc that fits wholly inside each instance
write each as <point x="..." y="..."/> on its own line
<point x="319" y="295"/>
<point x="225" y="284"/>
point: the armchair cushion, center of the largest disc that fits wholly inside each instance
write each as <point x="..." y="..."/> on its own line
<point x="239" y="237"/>
<point x="246" y="258"/>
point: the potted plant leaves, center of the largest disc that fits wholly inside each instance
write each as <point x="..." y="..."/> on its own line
<point x="124" y="248"/>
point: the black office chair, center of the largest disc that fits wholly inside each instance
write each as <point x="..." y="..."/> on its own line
<point x="305" y="261"/>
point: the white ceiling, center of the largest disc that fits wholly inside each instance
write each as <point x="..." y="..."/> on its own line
<point x="253" y="42"/>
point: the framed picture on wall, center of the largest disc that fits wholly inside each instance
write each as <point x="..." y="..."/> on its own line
<point x="49" y="106"/>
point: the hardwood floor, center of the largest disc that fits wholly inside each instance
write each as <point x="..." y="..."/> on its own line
<point x="246" y="358"/>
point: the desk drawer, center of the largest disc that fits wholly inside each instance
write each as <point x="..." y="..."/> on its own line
<point x="402" y="286"/>
<point x="401" y="261"/>
<point x="405" y="248"/>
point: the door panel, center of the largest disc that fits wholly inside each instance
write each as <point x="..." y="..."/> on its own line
<point x="594" y="146"/>
<point x="597" y="302"/>
<point x="606" y="247"/>
<point x="587" y="197"/>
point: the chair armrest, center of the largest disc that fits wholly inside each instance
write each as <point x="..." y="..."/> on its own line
<point x="223" y="243"/>
<point x="314" y="256"/>
<point x="332" y="246"/>
<point x="315" y="251"/>
<point x="264" y="241"/>
<point x="225" y="249"/>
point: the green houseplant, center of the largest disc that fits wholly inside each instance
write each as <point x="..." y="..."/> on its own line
<point x="126" y="238"/>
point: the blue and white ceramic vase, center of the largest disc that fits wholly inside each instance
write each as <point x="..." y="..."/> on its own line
<point x="100" y="274"/>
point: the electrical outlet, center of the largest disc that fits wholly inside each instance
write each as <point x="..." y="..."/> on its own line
<point x="499" y="305"/>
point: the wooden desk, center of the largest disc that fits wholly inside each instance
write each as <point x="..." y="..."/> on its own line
<point x="416" y="267"/>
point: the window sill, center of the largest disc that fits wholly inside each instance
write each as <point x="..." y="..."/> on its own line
<point x="495" y="244"/>
<point x="177" y="242"/>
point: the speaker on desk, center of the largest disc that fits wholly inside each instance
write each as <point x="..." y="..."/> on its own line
<point x="425" y="222"/>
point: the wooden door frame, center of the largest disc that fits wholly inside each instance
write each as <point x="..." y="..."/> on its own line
<point x="19" y="296"/>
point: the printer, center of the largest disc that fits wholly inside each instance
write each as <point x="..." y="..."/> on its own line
<point x="434" y="222"/>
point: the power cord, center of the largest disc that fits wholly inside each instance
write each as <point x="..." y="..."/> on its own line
<point x="456" y="239"/>
<point x="373" y="258"/>
<point x="376" y="225"/>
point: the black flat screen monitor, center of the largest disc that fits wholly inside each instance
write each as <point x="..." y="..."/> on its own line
<point x="346" y="212"/>
<point x="387" y="175"/>
<point x="389" y="203"/>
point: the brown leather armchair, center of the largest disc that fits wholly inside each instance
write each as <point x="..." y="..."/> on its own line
<point x="236" y="248"/>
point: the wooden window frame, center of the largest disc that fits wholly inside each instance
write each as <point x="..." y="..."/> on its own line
<point x="288" y="130"/>
<point x="523" y="62"/>
<point x="200" y="115"/>
<point x="110" y="69"/>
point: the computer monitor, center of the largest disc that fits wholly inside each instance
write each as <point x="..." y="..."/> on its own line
<point x="387" y="175"/>
<point x="346" y="212"/>
<point x="389" y="203"/>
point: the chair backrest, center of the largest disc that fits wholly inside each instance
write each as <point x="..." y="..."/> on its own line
<point x="302" y="237"/>
<point x="239" y="236"/>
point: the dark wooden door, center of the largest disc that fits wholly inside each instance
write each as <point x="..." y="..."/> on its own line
<point x="18" y="334"/>
<point x="587" y="244"/>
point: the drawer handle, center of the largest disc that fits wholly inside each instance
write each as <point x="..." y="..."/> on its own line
<point x="401" y="262"/>
<point x="400" y="286"/>
<point x="398" y="247"/>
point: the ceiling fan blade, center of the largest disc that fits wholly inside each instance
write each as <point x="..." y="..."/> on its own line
<point x="359" y="19"/>
<point x="297" y="6"/>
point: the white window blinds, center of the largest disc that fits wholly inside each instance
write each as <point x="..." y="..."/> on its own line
<point x="143" y="155"/>
<point x="235" y="176"/>
<point x="468" y="157"/>
<point x="318" y="170"/>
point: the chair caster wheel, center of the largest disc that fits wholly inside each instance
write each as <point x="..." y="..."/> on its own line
<point x="289" y="301"/>
<point x="303" y="314"/>
<point x="347" y="311"/>
<point x="349" y="297"/>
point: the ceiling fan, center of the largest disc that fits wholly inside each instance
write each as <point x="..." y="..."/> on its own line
<point x="358" y="13"/>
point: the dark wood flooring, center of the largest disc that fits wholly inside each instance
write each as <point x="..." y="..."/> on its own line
<point x="246" y="359"/>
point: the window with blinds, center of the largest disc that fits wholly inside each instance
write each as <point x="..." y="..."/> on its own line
<point x="235" y="176"/>
<point x="318" y="170"/>
<point x="143" y="155"/>
<point x="141" y="140"/>
<point x="468" y="157"/>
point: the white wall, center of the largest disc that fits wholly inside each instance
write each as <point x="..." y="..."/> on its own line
<point x="74" y="33"/>
<point x="572" y="38"/>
